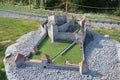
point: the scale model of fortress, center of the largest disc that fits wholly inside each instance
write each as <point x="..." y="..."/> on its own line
<point x="57" y="27"/>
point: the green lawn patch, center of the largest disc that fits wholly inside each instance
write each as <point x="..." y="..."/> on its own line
<point x="12" y="29"/>
<point x="114" y="33"/>
<point x="51" y="49"/>
<point x="2" y="75"/>
<point x="74" y="55"/>
<point x="46" y="47"/>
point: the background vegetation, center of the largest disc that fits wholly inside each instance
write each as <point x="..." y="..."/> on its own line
<point x="106" y="6"/>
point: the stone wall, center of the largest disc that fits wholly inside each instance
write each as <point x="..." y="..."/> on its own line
<point x="63" y="67"/>
<point x="66" y="36"/>
<point x="57" y="19"/>
<point x="67" y="27"/>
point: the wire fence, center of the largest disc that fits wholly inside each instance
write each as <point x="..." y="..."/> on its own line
<point x="56" y="9"/>
<point x="91" y="7"/>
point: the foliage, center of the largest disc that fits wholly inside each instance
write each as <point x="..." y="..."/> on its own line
<point x="117" y="12"/>
<point x="2" y="75"/>
<point x="74" y="5"/>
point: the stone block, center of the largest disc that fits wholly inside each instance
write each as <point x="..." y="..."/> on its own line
<point x="19" y="57"/>
<point x="83" y="67"/>
<point x="34" y="50"/>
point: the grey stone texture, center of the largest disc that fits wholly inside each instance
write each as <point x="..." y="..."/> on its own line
<point x="101" y="56"/>
<point x="64" y="30"/>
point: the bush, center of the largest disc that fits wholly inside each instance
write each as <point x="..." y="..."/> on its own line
<point x="2" y="75"/>
<point x="117" y="12"/>
<point x="1" y="65"/>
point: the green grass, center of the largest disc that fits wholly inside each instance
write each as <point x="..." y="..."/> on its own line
<point x="12" y="29"/>
<point x="98" y="16"/>
<point x="74" y="55"/>
<point x="46" y="47"/>
<point x="114" y="33"/>
<point x="2" y="75"/>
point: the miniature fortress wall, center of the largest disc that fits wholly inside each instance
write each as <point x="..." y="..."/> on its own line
<point x="61" y="29"/>
<point x="56" y="29"/>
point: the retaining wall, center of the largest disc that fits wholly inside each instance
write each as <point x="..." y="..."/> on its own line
<point x="63" y="67"/>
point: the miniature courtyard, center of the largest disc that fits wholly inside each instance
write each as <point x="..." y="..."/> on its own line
<point x="74" y="54"/>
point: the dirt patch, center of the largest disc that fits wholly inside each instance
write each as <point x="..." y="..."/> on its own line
<point x="1" y="32"/>
<point x="5" y="42"/>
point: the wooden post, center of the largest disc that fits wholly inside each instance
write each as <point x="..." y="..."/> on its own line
<point x="2" y="1"/>
<point x="66" y="6"/>
<point x="119" y="3"/>
<point x="30" y="4"/>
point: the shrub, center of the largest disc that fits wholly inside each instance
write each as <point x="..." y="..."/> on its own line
<point x="1" y="65"/>
<point x="2" y="75"/>
<point x="117" y="12"/>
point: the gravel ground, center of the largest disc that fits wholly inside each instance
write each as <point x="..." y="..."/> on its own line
<point x="101" y="55"/>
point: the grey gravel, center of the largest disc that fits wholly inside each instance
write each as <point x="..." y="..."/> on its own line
<point x="101" y="55"/>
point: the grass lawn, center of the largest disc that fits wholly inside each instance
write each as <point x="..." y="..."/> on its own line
<point x="74" y="55"/>
<point x="114" y="33"/>
<point x="98" y="16"/>
<point x="12" y="29"/>
<point x="46" y="47"/>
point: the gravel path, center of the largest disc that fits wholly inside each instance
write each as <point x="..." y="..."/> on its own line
<point x="16" y="14"/>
